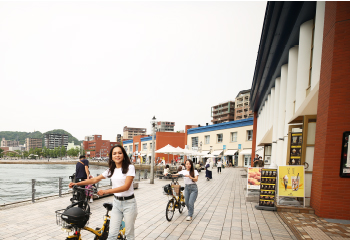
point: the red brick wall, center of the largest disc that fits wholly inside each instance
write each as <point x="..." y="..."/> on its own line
<point x="173" y="138"/>
<point x="330" y="195"/>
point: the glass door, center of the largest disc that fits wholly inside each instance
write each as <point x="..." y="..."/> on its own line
<point x="247" y="161"/>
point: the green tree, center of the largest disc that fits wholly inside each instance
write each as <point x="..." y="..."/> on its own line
<point x="25" y="154"/>
<point x="1" y="150"/>
<point x="63" y="151"/>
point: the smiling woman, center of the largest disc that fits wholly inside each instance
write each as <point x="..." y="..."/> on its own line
<point x="122" y="173"/>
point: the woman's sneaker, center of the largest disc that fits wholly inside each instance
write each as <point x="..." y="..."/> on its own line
<point x="189" y="218"/>
<point x="91" y="200"/>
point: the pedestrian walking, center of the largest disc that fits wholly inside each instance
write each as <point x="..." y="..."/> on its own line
<point x="219" y="166"/>
<point x="256" y="160"/>
<point x="191" y="189"/>
<point x="208" y="168"/>
<point x="122" y="173"/>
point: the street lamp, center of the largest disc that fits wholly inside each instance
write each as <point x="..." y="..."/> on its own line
<point x="153" y="122"/>
<point x="200" y="150"/>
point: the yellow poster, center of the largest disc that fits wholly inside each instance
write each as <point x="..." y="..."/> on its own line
<point x="254" y="178"/>
<point x="291" y="181"/>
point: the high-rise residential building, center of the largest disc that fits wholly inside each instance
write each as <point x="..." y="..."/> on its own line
<point x="130" y="132"/>
<point x="223" y="112"/>
<point x="33" y="143"/>
<point x="9" y="143"/>
<point x="242" y="108"/>
<point x="119" y="137"/>
<point x="164" y="126"/>
<point x="53" y="140"/>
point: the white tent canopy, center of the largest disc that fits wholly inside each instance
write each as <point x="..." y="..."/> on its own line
<point x="216" y="152"/>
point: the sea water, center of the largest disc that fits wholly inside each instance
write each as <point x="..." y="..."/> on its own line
<point x="16" y="180"/>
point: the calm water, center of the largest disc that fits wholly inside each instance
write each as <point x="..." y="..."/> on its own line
<point x="16" y="180"/>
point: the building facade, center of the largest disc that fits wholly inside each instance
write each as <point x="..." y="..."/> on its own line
<point x="9" y="143"/>
<point x="54" y="140"/>
<point x="164" y="126"/>
<point x="242" y="106"/>
<point x="301" y="87"/>
<point x="230" y="141"/>
<point x="98" y="148"/>
<point x="33" y="143"/>
<point x="223" y="112"/>
<point x="71" y="145"/>
<point x="130" y="132"/>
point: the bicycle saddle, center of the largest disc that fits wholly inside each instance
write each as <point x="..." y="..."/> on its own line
<point x="182" y="188"/>
<point x="108" y="206"/>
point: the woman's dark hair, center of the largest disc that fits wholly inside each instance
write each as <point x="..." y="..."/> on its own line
<point x="167" y="166"/>
<point x="125" y="164"/>
<point x="192" y="168"/>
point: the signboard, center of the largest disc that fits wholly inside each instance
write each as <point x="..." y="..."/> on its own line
<point x="345" y="156"/>
<point x="224" y="147"/>
<point x="239" y="146"/>
<point x="291" y="181"/>
<point x="254" y="178"/>
<point x="295" y="149"/>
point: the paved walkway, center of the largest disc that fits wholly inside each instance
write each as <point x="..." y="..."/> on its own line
<point x="221" y="212"/>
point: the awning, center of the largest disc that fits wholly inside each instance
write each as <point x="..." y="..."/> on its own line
<point x="143" y="154"/>
<point x="246" y="152"/>
<point x="205" y="152"/>
<point x="216" y="152"/>
<point x="230" y="152"/>
<point x="267" y="139"/>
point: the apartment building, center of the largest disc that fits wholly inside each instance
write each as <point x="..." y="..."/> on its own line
<point x="9" y="143"/>
<point x="54" y="140"/>
<point x="130" y="132"/>
<point x="242" y="107"/>
<point x="32" y="143"/>
<point x="96" y="147"/>
<point x="164" y="126"/>
<point x="223" y="112"/>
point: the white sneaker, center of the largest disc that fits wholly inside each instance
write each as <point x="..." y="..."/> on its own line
<point x="91" y="200"/>
<point x="188" y="218"/>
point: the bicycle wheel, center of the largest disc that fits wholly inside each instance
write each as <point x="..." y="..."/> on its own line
<point x="170" y="208"/>
<point x="181" y="204"/>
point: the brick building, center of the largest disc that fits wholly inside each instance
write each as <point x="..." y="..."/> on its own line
<point x="301" y="85"/>
<point x="33" y="143"/>
<point x="98" y="148"/>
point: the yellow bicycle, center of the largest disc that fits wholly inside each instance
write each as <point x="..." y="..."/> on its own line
<point x="74" y="218"/>
<point x="177" y="200"/>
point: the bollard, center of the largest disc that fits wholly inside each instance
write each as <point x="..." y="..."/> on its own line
<point x="139" y="175"/>
<point x="60" y="186"/>
<point x="33" y="190"/>
<point x="145" y="175"/>
<point x="98" y="184"/>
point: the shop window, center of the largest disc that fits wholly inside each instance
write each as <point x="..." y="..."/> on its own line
<point x="249" y="135"/>
<point x="234" y="137"/>
<point x="144" y="146"/>
<point x="150" y="146"/>
<point x="219" y="138"/>
<point x="136" y="147"/>
<point x="130" y="148"/>
<point x="195" y="142"/>
<point x="207" y="139"/>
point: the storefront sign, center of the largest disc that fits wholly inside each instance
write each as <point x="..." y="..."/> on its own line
<point x="345" y="156"/>
<point x="291" y="181"/>
<point x="254" y="178"/>
<point x="295" y="149"/>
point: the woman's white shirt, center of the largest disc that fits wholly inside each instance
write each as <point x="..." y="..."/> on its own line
<point x="118" y="180"/>
<point x="188" y="180"/>
<point x="166" y="170"/>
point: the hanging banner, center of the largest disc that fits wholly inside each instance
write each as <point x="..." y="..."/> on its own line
<point x="254" y="178"/>
<point x="291" y="181"/>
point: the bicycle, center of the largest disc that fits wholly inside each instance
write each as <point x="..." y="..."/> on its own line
<point x="175" y="192"/>
<point x="74" y="218"/>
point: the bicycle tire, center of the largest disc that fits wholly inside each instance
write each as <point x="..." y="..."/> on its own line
<point x="105" y="233"/>
<point x="170" y="209"/>
<point x="181" y="205"/>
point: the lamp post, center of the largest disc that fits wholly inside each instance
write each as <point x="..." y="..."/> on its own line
<point x="153" y="122"/>
<point x="200" y="150"/>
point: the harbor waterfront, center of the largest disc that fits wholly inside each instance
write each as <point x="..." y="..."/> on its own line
<point x="221" y="212"/>
<point x="16" y="177"/>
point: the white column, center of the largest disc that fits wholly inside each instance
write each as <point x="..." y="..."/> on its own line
<point x="281" y="113"/>
<point x="305" y="37"/>
<point x="268" y="102"/>
<point x="318" y="41"/>
<point x="272" y="107"/>
<point x="275" y="121"/>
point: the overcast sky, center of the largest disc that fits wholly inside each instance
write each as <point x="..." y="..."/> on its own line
<point x="95" y="67"/>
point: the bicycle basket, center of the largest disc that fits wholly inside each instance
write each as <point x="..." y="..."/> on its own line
<point x="75" y="216"/>
<point x="168" y="190"/>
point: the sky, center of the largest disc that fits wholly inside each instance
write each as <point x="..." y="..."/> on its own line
<point x="95" y="67"/>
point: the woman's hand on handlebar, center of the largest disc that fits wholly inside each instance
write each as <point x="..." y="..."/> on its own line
<point x="71" y="184"/>
<point x="101" y="192"/>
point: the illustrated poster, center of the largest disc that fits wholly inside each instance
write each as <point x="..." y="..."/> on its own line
<point x="254" y="178"/>
<point x="291" y="181"/>
<point x="295" y="149"/>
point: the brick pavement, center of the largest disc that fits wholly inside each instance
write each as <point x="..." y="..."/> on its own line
<point x="221" y="212"/>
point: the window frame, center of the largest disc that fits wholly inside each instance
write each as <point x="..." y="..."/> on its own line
<point x="217" y="138"/>
<point x="231" y="136"/>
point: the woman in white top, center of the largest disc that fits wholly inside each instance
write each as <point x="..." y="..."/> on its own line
<point x="122" y="174"/>
<point x="191" y="190"/>
<point x="166" y="170"/>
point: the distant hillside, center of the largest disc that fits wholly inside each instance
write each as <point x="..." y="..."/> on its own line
<point x="21" y="136"/>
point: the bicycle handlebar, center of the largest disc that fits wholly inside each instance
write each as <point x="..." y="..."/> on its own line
<point x="77" y="188"/>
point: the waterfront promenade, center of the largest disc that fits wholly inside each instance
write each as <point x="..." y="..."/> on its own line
<point x="221" y="212"/>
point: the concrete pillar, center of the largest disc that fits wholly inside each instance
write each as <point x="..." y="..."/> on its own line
<point x="272" y="107"/>
<point x="318" y="41"/>
<point x="305" y="38"/>
<point x="281" y="113"/>
<point x="275" y="121"/>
